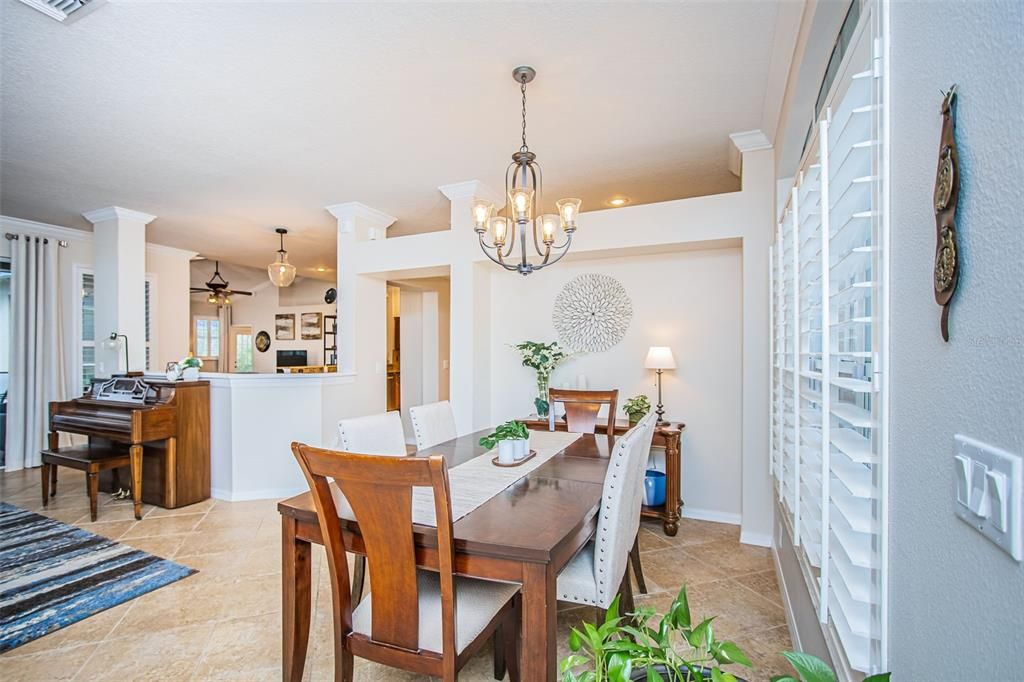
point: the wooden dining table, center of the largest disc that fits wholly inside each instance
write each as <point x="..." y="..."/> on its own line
<point x="525" y="534"/>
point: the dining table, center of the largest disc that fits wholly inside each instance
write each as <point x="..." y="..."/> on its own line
<point x="524" y="534"/>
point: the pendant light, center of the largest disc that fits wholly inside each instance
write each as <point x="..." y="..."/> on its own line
<point x="281" y="272"/>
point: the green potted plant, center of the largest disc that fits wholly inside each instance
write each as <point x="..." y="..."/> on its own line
<point x="190" y="367"/>
<point x="636" y="407"/>
<point x="543" y="358"/>
<point x="512" y="440"/>
<point x="672" y="649"/>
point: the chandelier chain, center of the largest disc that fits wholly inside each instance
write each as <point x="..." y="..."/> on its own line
<point x="522" y="87"/>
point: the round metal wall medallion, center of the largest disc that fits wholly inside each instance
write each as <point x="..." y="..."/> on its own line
<point x="592" y="313"/>
<point x="263" y="342"/>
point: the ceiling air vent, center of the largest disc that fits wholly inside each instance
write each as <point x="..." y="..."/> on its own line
<point x="64" y="10"/>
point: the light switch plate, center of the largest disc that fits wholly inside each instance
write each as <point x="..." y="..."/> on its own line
<point x="1000" y="473"/>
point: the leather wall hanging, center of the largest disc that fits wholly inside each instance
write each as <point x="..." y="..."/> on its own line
<point x="947" y="195"/>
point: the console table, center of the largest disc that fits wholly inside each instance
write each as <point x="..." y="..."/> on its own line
<point x="668" y="436"/>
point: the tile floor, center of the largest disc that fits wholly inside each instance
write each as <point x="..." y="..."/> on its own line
<point x="224" y="622"/>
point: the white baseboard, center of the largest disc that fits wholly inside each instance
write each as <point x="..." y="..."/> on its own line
<point x="794" y="633"/>
<point x="246" y="495"/>
<point x="759" y="539"/>
<point x="711" y="515"/>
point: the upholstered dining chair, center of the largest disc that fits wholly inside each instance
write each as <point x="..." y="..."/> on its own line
<point x="600" y="570"/>
<point x="581" y="412"/>
<point x="424" y="622"/>
<point x="582" y="408"/>
<point x="432" y="423"/>
<point x="376" y="434"/>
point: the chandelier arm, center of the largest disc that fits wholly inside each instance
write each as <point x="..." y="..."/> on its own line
<point x="557" y="258"/>
<point x="488" y="254"/>
<point x="537" y="198"/>
<point x="511" y="242"/>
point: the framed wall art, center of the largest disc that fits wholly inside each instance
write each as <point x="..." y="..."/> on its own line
<point x="312" y="326"/>
<point x="284" y="327"/>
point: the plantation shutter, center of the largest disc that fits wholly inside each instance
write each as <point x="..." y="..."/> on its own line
<point x="828" y="344"/>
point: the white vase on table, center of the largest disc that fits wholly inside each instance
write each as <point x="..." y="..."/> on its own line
<point x="506" y="451"/>
<point x="190" y="374"/>
<point x="522" y="448"/>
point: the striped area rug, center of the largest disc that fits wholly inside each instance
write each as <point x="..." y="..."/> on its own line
<point x="53" y="574"/>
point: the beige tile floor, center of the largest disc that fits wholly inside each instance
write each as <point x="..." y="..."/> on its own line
<point x="224" y="622"/>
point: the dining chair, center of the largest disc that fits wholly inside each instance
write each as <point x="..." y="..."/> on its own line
<point x="425" y="622"/>
<point x="582" y="408"/>
<point x="581" y="411"/>
<point x="376" y="434"/>
<point x="432" y="424"/>
<point x="600" y="570"/>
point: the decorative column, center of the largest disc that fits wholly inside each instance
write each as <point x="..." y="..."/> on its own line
<point x="470" y="310"/>
<point x="119" y="269"/>
<point x="362" y="340"/>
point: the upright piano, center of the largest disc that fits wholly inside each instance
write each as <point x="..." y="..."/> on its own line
<point x="169" y="420"/>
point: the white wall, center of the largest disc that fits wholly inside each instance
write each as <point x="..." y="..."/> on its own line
<point x="690" y="301"/>
<point x="955" y="597"/>
<point x="170" y="271"/>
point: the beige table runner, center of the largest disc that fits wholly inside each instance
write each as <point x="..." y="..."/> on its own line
<point x="474" y="482"/>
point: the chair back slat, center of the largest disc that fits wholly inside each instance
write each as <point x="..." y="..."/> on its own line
<point x="379" y="491"/>
<point x="582" y="408"/>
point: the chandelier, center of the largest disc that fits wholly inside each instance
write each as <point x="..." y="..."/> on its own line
<point x="281" y="272"/>
<point x="515" y="222"/>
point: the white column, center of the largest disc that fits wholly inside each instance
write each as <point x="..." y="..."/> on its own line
<point x="119" y="267"/>
<point x="362" y="326"/>
<point x="470" y="311"/>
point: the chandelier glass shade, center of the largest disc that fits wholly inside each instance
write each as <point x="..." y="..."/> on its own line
<point x="522" y="219"/>
<point x="281" y="272"/>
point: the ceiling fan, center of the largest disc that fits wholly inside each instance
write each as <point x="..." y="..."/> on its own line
<point x="217" y="288"/>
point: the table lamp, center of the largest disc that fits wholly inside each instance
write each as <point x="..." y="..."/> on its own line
<point x="659" y="358"/>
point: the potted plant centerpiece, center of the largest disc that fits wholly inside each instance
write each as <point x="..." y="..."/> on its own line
<point x="672" y="649"/>
<point x="636" y="407"/>
<point x="543" y="358"/>
<point x="512" y="440"/>
<point x="190" y="367"/>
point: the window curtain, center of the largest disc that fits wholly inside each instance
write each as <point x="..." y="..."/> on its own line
<point x="37" y="367"/>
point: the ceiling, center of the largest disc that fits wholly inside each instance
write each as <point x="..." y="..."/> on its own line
<point x="226" y="119"/>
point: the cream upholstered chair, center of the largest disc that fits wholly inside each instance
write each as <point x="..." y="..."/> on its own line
<point x="595" y="575"/>
<point x="432" y="424"/>
<point x="377" y="434"/>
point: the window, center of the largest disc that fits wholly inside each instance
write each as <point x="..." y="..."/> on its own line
<point x="206" y="334"/>
<point x="829" y="387"/>
<point x="87" y="338"/>
<point x="87" y="323"/>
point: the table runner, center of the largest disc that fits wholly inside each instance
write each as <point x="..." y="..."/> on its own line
<point x="474" y="482"/>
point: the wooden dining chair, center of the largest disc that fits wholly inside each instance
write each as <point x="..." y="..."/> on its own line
<point x="375" y="434"/>
<point x="432" y="424"/>
<point x="421" y="621"/>
<point x="600" y="570"/>
<point x="581" y="412"/>
<point x="582" y="408"/>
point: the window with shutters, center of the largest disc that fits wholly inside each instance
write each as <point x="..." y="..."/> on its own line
<point x="85" y="322"/>
<point x="829" y="323"/>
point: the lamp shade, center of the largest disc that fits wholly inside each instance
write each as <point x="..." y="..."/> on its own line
<point x="660" y="357"/>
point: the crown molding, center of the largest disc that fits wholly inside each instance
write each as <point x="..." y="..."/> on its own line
<point x="351" y="210"/>
<point x="750" y="141"/>
<point x="117" y="213"/>
<point x="471" y="189"/>
<point x="171" y="251"/>
<point x="44" y="229"/>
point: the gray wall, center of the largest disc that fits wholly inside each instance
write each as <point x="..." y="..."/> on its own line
<point x="955" y="598"/>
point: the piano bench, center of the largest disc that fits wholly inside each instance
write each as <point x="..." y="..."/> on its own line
<point x="91" y="460"/>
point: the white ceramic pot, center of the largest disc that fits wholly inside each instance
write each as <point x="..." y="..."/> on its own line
<point x="190" y="374"/>
<point x="522" y="448"/>
<point x="172" y="375"/>
<point x="506" y="451"/>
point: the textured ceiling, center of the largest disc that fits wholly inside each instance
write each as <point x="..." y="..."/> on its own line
<point x="225" y="119"/>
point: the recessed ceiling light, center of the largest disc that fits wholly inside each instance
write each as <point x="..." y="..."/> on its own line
<point x="618" y="201"/>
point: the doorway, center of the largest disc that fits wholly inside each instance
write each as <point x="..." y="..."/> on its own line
<point x="240" y="348"/>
